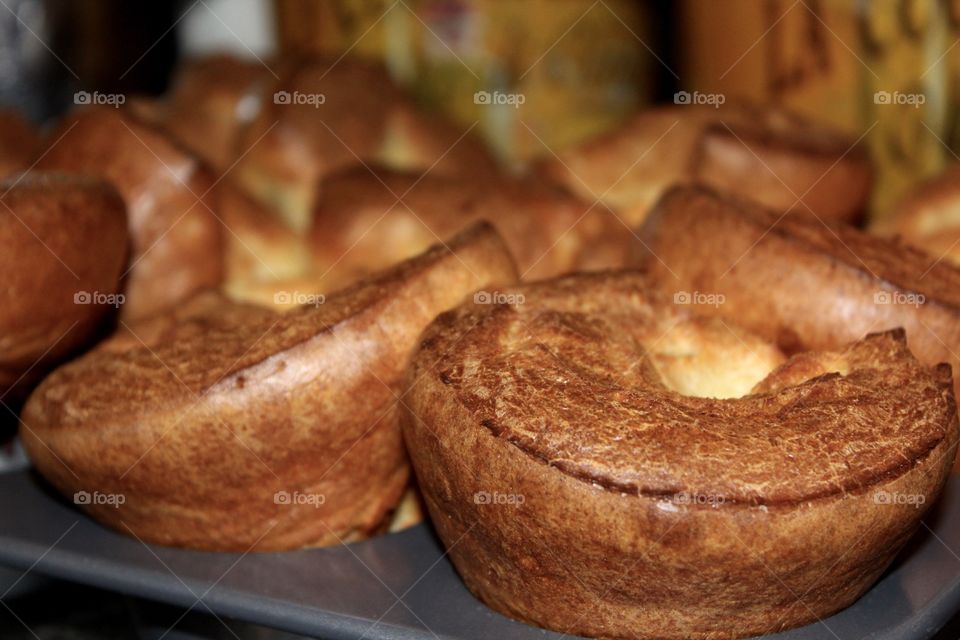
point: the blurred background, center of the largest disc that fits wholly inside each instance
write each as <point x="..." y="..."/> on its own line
<point x="581" y="65"/>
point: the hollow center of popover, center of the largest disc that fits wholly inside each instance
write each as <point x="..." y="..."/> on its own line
<point x="710" y="359"/>
<point x="641" y="398"/>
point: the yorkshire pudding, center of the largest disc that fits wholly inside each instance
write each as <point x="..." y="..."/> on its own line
<point x="176" y="235"/>
<point x="64" y="240"/>
<point x="767" y="155"/>
<point x="225" y="426"/>
<point x="928" y="217"/>
<point x="366" y="219"/>
<point x="801" y="282"/>
<point x="211" y="99"/>
<point x="578" y="484"/>
<point x="263" y="257"/>
<point x="327" y="114"/>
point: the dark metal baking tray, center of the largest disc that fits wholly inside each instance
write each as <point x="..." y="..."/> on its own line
<point x="401" y="585"/>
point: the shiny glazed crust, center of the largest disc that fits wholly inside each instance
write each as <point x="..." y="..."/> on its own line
<point x="170" y="203"/>
<point x="65" y="244"/>
<point x="577" y="491"/>
<point x="228" y="412"/>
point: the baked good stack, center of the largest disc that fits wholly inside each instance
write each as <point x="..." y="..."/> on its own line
<point x="628" y="381"/>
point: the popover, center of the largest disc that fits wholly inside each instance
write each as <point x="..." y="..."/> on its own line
<point x="366" y="218"/>
<point x="169" y="197"/>
<point x="581" y="482"/>
<point x="764" y="154"/>
<point x="226" y="426"/>
<point x="65" y="246"/>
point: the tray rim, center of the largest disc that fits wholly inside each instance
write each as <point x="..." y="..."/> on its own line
<point x="162" y="584"/>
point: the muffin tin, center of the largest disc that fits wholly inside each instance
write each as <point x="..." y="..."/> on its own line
<point x="401" y="586"/>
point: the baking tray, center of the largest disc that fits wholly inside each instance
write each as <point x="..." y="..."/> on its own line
<point x="401" y="586"/>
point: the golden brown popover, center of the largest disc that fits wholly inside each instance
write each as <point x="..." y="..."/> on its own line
<point x="928" y="217"/>
<point x="170" y="203"/>
<point x="327" y="114"/>
<point x="263" y="256"/>
<point x="367" y="218"/>
<point x="765" y="154"/>
<point x="226" y="426"/>
<point x="581" y="481"/>
<point x="65" y="244"/>
<point x="801" y="282"/>
<point x="211" y="99"/>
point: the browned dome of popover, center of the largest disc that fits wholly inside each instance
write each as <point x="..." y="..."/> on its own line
<point x="368" y="217"/>
<point x="800" y="281"/>
<point x="632" y="434"/>
<point x="169" y="197"/>
<point x="563" y="397"/>
<point x="202" y="416"/>
<point x="65" y="246"/>
<point x="762" y="153"/>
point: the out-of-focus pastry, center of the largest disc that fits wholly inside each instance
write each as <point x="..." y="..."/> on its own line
<point x="265" y="262"/>
<point x="328" y="114"/>
<point x="365" y="220"/>
<point x="65" y="245"/>
<point x="169" y="197"/>
<point x="19" y="142"/>
<point x="210" y="100"/>
<point x="767" y="155"/>
<point x="929" y="217"/>
<point x="227" y="426"/>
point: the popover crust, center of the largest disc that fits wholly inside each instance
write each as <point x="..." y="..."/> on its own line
<point x="177" y="248"/>
<point x="365" y="217"/>
<point x="65" y="245"/>
<point x="928" y="216"/>
<point x="556" y="400"/>
<point x="362" y="118"/>
<point x="201" y="416"/>
<point x="802" y="282"/>
<point x="767" y="155"/>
